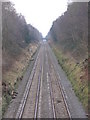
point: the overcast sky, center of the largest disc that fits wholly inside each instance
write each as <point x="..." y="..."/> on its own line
<point x="41" y="13"/>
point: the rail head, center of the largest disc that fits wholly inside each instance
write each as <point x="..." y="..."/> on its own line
<point x="62" y="90"/>
<point x="27" y="89"/>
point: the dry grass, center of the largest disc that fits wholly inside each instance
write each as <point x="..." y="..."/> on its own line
<point x="16" y="72"/>
<point x="77" y="74"/>
<point x="19" y="66"/>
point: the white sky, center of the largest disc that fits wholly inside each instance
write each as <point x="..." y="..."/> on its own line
<point x="41" y="13"/>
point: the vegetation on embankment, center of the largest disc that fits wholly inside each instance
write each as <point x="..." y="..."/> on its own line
<point x="13" y="77"/>
<point x="77" y="73"/>
<point x="20" y="41"/>
<point x="68" y="37"/>
<point x="70" y="31"/>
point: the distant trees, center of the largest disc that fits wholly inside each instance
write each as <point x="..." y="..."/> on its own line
<point x="34" y="33"/>
<point x="16" y="33"/>
<point x="71" y="30"/>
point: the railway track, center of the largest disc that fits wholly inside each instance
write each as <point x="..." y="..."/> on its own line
<point x="23" y="103"/>
<point x="38" y="93"/>
<point x="32" y="104"/>
<point x="61" y="90"/>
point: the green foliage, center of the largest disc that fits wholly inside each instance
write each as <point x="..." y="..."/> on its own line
<point x="27" y="36"/>
<point x="74" y="71"/>
<point x="6" y="98"/>
<point x="70" y="30"/>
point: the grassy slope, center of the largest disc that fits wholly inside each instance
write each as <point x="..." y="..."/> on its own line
<point x="77" y="74"/>
<point x="16" y="72"/>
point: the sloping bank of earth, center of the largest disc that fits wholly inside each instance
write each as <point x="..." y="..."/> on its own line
<point x="77" y="73"/>
<point x="16" y="79"/>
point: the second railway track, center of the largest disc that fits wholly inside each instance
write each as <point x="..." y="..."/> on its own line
<point x="61" y="109"/>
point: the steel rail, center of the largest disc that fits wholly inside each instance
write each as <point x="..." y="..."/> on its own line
<point x="27" y="89"/>
<point x="38" y="93"/>
<point x="40" y="77"/>
<point x="51" y="93"/>
<point x="52" y="100"/>
<point x="62" y="90"/>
